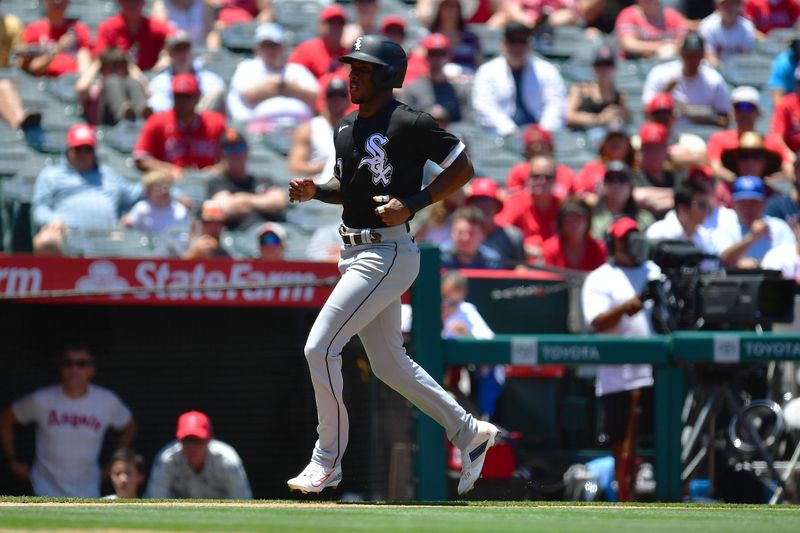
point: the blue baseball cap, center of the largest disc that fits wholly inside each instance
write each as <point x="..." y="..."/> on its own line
<point x="748" y="188"/>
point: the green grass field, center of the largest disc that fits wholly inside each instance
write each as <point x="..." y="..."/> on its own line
<point x="17" y="514"/>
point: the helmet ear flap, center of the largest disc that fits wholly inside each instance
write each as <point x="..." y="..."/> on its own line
<point x="384" y="76"/>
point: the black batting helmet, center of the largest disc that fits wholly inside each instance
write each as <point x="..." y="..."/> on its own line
<point x="389" y="57"/>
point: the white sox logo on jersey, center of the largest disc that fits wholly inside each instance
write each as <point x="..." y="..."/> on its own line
<point x="380" y="169"/>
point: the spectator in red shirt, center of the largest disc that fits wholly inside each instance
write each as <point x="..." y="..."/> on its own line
<point x="786" y="117"/>
<point x="770" y="14"/>
<point x="321" y="54"/>
<point x="534" y="210"/>
<point x="505" y="240"/>
<point x="746" y="111"/>
<point x="616" y="146"/>
<point x="141" y="37"/>
<point x="56" y="44"/>
<point x="538" y="141"/>
<point x="654" y="188"/>
<point x="181" y="138"/>
<point x="648" y="29"/>
<point x="573" y="246"/>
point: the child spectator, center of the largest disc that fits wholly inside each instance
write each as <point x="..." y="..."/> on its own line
<point x="126" y="471"/>
<point x="158" y="211"/>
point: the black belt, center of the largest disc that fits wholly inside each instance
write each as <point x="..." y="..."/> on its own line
<point x="366" y="236"/>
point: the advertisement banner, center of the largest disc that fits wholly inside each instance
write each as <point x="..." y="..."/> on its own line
<point x="212" y="282"/>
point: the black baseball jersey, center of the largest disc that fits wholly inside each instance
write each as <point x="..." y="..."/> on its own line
<point x="385" y="155"/>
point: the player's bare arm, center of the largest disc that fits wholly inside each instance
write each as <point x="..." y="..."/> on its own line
<point x="395" y="211"/>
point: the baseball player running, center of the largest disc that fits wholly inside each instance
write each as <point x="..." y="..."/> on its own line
<point x="380" y="153"/>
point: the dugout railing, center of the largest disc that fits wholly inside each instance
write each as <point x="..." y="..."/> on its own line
<point x="667" y="353"/>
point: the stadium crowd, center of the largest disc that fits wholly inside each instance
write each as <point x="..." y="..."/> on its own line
<point x="586" y="120"/>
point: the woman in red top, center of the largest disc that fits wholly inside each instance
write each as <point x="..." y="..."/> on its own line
<point x="573" y="246"/>
<point x="616" y="146"/>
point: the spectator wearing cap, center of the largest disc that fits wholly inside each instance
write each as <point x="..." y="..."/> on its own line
<point x="768" y="15"/>
<point x="597" y="103"/>
<point x="466" y="247"/>
<point x="201" y="241"/>
<point x="518" y="88"/>
<point x="744" y="244"/>
<point x="693" y="205"/>
<point x="612" y="306"/>
<point x="244" y="199"/>
<point x="538" y="141"/>
<point x="231" y="12"/>
<point x="394" y="27"/>
<point x="535" y="209"/>
<point x="196" y="465"/>
<point x="141" y="37"/>
<point x="505" y="240"/>
<point x="193" y="17"/>
<point x="573" y="246"/>
<point x="615" y="146"/>
<point x="313" y="153"/>
<point x="181" y="138"/>
<point x="786" y="117"/>
<point x="449" y="18"/>
<point x="649" y="29"/>
<point x="751" y="157"/>
<point x="365" y="23"/>
<point x="782" y="78"/>
<point x="536" y="13"/>
<point x="266" y="90"/>
<point x="727" y="32"/>
<point x="158" y="211"/>
<point x="182" y="59"/>
<point x="656" y="178"/>
<point x="320" y="55"/>
<point x="615" y="199"/>
<point x="746" y="110"/>
<point x="55" y="44"/>
<point x="434" y="87"/>
<point x="700" y="92"/>
<point x="685" y="149"/>
<point x="271" y="242"/>
<point x="78" y="193"/>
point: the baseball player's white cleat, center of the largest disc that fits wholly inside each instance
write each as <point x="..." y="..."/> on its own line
<point x="474" y="454"/>
<point x="316" y="477"/>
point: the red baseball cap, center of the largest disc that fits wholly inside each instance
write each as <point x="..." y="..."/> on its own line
<point x="702" y="172"/>
<point x="193" y="424"/>
<point x="483" y="187"/>
<point x="81" y="135"/>
<point x="436" y="41"/>
<point x="653" y="133"/>
<point x="333" y="11"/>
<point x="393" y="21"/>
<point x="622" y="226"/>
<point x="185" y="83"/>
<point x="535" y="134"/>
<point x="661" y="102"/>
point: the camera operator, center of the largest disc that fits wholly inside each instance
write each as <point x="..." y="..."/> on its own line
<point x="693" y="204"/>
<point x="744" y="245"/>
<point x="612" y="305"/>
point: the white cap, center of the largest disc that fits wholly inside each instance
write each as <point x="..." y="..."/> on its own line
<point x="270" y="31"/>
<point x="745" y="94"/>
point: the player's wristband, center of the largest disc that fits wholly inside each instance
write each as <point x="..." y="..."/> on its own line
<point x="419" y="201"/>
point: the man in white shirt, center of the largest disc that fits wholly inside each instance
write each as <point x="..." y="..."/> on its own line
<point x="700" y="93"/>
<point x="181" y="59"/>
<point x="745" y="244"/>
<point x="71" y="419"/>
<point x="727" y="32"/>
<point x="197" y="465"/>
<point x="612" y="306"/>
<point x="266" y="91"/>
<point x="517" y="88"/>
<point x="692" y="205"/>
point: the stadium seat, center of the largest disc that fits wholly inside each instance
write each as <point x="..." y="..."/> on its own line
<point x="104" y="242"/>
<point x="123" y="136"/>
<point x="747" y="69"/>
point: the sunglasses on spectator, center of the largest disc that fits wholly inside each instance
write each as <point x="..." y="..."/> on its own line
<point x="604" y="64"/>
<point x="751" y="155"/>
<point x="517" y="40"/>
<point x="705" y="206"/>
<point x="84" y="148"/>
<point x="80" y="363"/>
<point x="336" y="94"/>
<point x="548" y="177"/>
<point x="744" y="106"/>
<point x="235" y="149"/>
<point x="270" y="239"/>
<point x="616" y="178"/>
